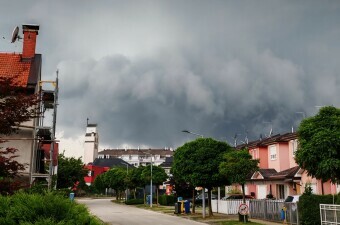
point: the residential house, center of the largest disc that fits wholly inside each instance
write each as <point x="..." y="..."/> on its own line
<point x="167" y="168"/>
<point x="279" y="175"/>
<point x="100" y="166"/>
<point x="33" y="142"/>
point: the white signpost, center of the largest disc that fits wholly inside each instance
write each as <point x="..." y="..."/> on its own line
<point x="243" y="210"/>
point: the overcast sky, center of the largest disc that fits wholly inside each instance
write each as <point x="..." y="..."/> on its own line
<point x="146" y="70"/>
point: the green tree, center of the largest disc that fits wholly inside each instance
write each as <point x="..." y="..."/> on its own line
<point x="158" y="176"/>
<point x="16" y="106"/>
<point x="70" y="172"/>
<point x="9" y="171"/>
<point x="99" y="183"/>
<point x="237" y="166"/>
<point x="319" y="145"/>
<point x="197" y="162"/>
<point x="115" y="178"/>
<point x="136" y="180"/>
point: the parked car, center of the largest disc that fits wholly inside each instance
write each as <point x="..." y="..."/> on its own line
<point x="292" y="198"/>
<point x="198" y="198"/>
<point x="291" y="202"/>
<point x="236" y="196"/>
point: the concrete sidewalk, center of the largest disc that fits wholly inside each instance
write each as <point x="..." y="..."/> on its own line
<point x="119" y="214"/>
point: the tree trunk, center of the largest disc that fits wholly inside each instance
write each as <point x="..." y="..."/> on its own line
<point x="144" y="195"/>
<point x="157" y="195"/>
<point x="243" y="194"/>
<point x="322" y="191"/>
<point x="193" y="200"/>
<point x="117" y="194"/>
<point x="209" y="202"/>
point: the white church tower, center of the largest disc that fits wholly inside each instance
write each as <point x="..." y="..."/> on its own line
<point x="91" y="143"/>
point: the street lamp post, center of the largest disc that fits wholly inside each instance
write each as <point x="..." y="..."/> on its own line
<point x="203" y="188"/>
<point x="151" y="185"/>
<point x="127" y="173"/>
<point x="150" y="178"/>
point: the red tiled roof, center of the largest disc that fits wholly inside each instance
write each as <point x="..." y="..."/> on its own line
<point x="288" y="173"/>
<point x="269" y="141"/>
<point x="11" y="65"/>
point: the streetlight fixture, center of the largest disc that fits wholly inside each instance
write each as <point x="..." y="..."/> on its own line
<point x="203" y="188"/>
<point x="189" y="132"/>
<point x="127" y="173"/>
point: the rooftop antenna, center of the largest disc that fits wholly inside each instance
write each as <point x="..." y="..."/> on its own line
<point x="15" y="35"/>
<point x="246" y="137"/>
<point x="235" y="139"/>
<point x="271" y="129"/>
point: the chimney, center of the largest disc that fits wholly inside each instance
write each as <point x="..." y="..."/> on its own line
<point x="30" y="37"/>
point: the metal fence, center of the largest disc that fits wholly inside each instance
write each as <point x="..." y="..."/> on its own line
<point x="329" y="214"/>
<point x="272" y="209"/>
<point x="229" y="207"/>
<point x="260" y="209"/>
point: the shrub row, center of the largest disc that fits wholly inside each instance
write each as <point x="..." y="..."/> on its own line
<point x="309" y="207"/>
<point x="135" y="201"/>
<point x="166" y="200"/>
<point x="48" y="209"/>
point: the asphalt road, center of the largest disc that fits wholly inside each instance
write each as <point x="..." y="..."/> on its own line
<point x="117" y="214"/>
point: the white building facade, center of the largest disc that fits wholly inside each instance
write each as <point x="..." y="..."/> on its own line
<point x="138" y="157"/>
<point x="91" y="143"/>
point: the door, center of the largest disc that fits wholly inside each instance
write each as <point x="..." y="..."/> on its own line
<point x="261" y="191"/>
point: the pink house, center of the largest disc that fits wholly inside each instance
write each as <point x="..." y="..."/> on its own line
<point x="279" y="175"/>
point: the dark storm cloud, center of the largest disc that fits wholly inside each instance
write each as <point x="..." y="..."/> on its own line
<point x="145" y="70"/>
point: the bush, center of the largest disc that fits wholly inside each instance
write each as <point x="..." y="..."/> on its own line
<point x="50" y="208"/>
<point x="137" y="201"/>
<point x="166" y="200"/>
<point x="309" y="208"/>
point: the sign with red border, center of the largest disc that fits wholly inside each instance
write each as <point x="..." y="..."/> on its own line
<point x="243" y="209"/>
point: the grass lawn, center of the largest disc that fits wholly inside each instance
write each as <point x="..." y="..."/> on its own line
<point x="217" y="219"/>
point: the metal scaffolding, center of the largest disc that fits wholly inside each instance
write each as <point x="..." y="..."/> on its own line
<point x="44" y="134"/>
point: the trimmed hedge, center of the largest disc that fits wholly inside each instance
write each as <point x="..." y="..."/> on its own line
<point x="166" y="200"/>
<point x="309" y="207"/>
<point x="50" y="208"/>
<point x="137" y="201"/>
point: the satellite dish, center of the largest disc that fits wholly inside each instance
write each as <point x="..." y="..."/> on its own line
<point x="15" y="35"/>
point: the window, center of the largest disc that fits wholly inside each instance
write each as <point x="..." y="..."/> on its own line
<point x="272" y="150"/>
<point x="252" y="153"/>
<point x="280" y="189"/>
<point x="90" y="173"/>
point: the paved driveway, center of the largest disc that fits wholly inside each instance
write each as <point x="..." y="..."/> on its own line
<point x="117" y="214"/>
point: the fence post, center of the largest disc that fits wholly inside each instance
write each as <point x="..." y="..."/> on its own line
<point x="264" y="209"/>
